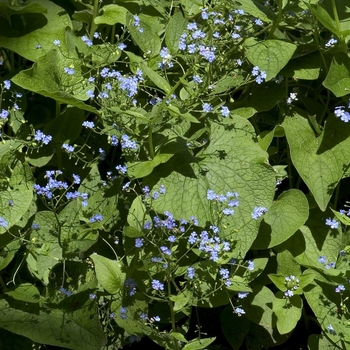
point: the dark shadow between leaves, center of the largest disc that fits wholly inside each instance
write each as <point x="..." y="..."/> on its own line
<point x="22" y="25"/>
<point x="263" y="238"/>
<point x="335" y="132"/>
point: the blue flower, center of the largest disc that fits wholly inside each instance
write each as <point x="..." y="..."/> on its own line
<point x="322" y="259"/>
<point x="225" y="112"/>
<point x="239" y="311"/>
<point x="57" y="42"/>
<point x="121" y="46"/>
<point x="96" y="217"/>
<point x="332" y="223"/>
<point x="258" y="212"/>
<point x="3" y="222"/>
<point x="165" y="250"/>
<point x="139" y="242"/>
<point x="68" y="70"/>
<point x="68" y="148"/>
<point x="40" y="136"/>
<point x="86" y="40"/>
<point x="156" y="285"/>
<point x="88" y="125"/>
<point x="7" y="84"/>
<point x="207" y="107"/>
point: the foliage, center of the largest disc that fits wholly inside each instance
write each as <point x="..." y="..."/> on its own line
<point x="158" y="158"/>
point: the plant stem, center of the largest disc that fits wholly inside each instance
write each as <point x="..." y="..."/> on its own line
<point x="278" y="20"/>
<point x="172" y="312"/>
<point x="93" y="26"/>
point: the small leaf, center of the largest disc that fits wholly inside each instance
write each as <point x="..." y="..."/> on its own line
<point x="198" y="343"/>
<point x="109" y="273"/>
<point x="288" y="312"/>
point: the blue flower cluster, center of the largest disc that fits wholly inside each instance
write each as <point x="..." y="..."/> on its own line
<point x="340" y="112"/>
<point x="40" y="136"/>
<point x="54" y="184"/>
<point x="229" y="200"/>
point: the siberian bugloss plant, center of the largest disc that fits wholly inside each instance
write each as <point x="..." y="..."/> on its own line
<point x="168" y="162"/>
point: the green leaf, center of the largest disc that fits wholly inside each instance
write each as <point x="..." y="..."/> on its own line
<point x="132" y="232"/>
<point x="148" y="41"/>
<point x="109" y="273"/>
<point x="25" y="292"/>
<point x="287" y="265"/>
<point x="283" y="219"/>
<point x="157" y="79"/>
<point x="198" y="343"/>
<point x="338" y="77"/>
<point x="179" y="112"/>
<point x="192" y="7"/>
<point x="288" y="312"/>
<point x="78" y="330"/>
<point x="174" y="29"/>
<point x="21" y="201"/>
<point x="47" y="77"/>
<point x="304" y="67"/>
<point x="313" y="240"/>
<point x="322" y="298"/>
<point x="44" y="252"/>
<point x="343" y="218"/>
<point x="112" y="14"/>
<point x="321" y="160"/>
<point x="42" y="23"/>
<point x="141" y="169"/>
<point x="323" y="16"/>
<point x="7" y="253"/>
<point x="257" y="10"/>
<point x="278" y="281"/>
<point x="321" y="342"/>
<point x="233" y="152"/>
<point x="137" y="215"/>
<point x="269" y="55"/>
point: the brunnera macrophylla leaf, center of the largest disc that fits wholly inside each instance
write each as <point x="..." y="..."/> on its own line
<point x="134" y="308"/>
<point x="286" y="264"/>
<point x="234" y="327"/>
<point x="191" y="7"/>
<point x="26" y="292"/>
<point x="47" y="77"/>
<point x="269" y="55"/>
<point x="147" y="39"/>
<point x="288" y="312"/>
<point x="338" y="77"/>
<point x="306" y="67"/>
<point x="343" y="218"/>
<point x="138" y="170"/>
<point x="21" y="201"/>
<point x="198" y="343"/>
<point x="137" y="215"/>
<point x="314" y="239"/>
<point x="257" y="10"/>
<point x="173" y="31"/>
<point x="283" y="219"/>
<point x="321" y="160"/>
<point x="78" y="330"/>
<point x="258" y="309"/>
<point x="322" y="342"/>
<point x="44" y="250"/>
<point x="233" y="161"/>
<point x="112" y="14"/>
<point x="42" y="23"/>
<point x="325" y="302"/>
<point x="109" y="273"/>
<point x="8" y="252"/>
<point x="156" y="78"/>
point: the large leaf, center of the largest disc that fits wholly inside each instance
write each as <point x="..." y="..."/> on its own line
<point x="288" y="311"/>
<point x="313" y="240"/>
<point x="42" y="22"/>
<point x="269" y="55"/>
<point x="338" y="77"/>
<point x="233" y="161"/>
<point x="283" y="219"/>
<point x="47" y="77"/>
<point x="112" y="14"/>
<point x="321" y="161"/>
<point x="174" y="30"/>
<point x="79" y="330"/>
